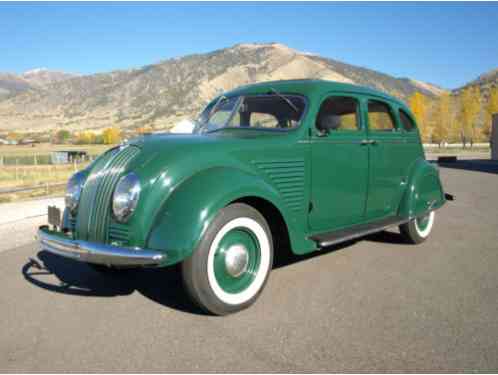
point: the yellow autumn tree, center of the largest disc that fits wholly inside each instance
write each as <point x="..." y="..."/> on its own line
<point x="111" y="136"/>
<point x="491" y="109"/>
<point x="13" y="136"/>
<point x="442" y="119"/>
<point x="470" y="109"/>
<point x="86" y="137"/>
<point x="418" y="105"/>
<point x="144" y="129"/>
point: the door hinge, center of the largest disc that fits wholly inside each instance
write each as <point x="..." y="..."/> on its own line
<point x="310" y="207"/>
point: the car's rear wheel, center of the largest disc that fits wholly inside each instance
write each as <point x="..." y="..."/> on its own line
<point x="418" y="229"/>
<point x="230" y="267"/>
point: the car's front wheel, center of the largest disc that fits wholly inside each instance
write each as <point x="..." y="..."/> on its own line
<point x="232" y="263"/>
<point x="418" y="229"/>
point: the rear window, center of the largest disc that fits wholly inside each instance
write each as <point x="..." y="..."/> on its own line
<point x="407" y="122"/>
<point x="380" y="117"/>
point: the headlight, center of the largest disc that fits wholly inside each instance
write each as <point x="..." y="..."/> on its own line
<point x="73" y="191"/>
<point x="125" y="198"/>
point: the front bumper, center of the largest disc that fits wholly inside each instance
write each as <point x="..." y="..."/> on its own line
<point x="97" y="253"/>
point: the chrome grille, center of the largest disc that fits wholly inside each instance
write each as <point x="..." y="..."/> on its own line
<point x="94" y="211"/>
<point x="119" y="233"/>
<point x="288" y="177"/>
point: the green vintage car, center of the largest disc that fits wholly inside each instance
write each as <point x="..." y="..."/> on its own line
<point x="300" y="165"/>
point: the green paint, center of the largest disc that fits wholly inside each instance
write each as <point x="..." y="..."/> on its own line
<point x="187" y="179"/>
<point x="227" y="282"/>
<point x="423" y="222"/>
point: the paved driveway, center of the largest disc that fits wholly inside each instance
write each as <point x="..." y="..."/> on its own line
<point x="376" y="304"/>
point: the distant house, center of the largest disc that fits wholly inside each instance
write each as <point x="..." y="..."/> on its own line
<point x="7" y="142"/>
<point x="28" y="141"/>
<point x="65" y="157"/>
<point x="183" y="127"/>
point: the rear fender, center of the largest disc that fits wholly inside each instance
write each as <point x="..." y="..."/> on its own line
<point x="424" y="191"/>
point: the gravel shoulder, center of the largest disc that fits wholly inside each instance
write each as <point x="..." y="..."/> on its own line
<point x="19" y="221"/>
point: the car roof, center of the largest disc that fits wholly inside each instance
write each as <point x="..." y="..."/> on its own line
<point x="308" y="87"/>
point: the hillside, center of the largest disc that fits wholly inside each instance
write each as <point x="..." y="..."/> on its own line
<point x="161" y="94"/>
<point x="12" y="84"/>
<point x="485" y="82"/>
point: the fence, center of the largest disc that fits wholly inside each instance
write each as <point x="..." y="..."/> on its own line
<point x="37" y="159"/>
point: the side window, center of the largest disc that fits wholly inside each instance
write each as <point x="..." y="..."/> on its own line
<point x="338" y="113"/>
<point x="406" y="121"/>
<point x="263" y="120"/>
<point x="380" y="117"/>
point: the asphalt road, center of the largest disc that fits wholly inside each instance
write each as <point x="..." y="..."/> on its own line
<point x="373" y="305"/>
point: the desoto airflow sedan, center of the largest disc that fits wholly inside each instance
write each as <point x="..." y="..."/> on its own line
<point x="299" y="165"/>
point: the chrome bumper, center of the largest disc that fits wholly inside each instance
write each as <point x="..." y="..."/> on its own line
<point x="97" y="253"/>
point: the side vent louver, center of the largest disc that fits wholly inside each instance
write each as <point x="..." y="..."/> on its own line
<point x="288" y="177"/>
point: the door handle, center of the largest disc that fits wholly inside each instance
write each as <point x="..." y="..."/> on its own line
<point x="368" y="142"/>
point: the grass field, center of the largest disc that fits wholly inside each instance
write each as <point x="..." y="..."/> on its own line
<point x="32" y="175"/>
<point x="47" y="148"/>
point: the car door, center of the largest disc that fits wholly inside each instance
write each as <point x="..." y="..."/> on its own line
<point x="339" y="164"/>
<point x="389" y="159"/>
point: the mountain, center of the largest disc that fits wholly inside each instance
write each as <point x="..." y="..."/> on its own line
<point x="13" y="84"/>
<point x="485" y="82"/>
<point x="43" y="77"/>
<point x="161" y="94"/>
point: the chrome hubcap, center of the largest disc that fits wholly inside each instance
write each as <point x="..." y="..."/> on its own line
<point x="236" y="260"/>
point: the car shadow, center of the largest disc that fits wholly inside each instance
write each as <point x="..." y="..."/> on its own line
<point x="476" y="165"/>
<point x="66" y="276"/>
<point x="161" y="285"/>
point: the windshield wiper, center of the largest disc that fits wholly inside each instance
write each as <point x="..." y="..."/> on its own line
<point x="272" y="90"/>
<point x="218" y="102"/>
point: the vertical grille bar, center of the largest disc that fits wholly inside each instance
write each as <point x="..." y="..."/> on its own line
<point x="95" y="205"/>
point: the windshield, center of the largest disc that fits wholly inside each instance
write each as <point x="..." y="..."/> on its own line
<point x="272" y="111"/>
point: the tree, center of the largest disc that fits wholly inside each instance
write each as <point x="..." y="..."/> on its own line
<point x="111" y="136"/>
<point x="470" y="109"/>
<point x="62" y="136"/>
<point x="144" y="129"/>
<point x="13" y="136"/>
<point x="442" y="117"/>
<point x="418" y="105"/>
<point x="491" y="108"/>
<point x="86" y="137"/>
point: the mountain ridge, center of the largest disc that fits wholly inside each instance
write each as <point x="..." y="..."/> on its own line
<point x="165" y="92"/>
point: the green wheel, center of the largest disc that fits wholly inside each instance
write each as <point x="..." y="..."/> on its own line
<point x="231" y="266"/>
<point x="418" y="229"/>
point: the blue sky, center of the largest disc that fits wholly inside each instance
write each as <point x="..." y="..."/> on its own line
<point x="446" y="44"/>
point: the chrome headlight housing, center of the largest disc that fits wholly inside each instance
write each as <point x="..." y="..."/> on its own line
<point x="73" y="191"/>
<point x="125" y="197"/>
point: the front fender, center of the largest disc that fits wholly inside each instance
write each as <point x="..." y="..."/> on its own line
<point x="188" y="211"/>
<point x="424" y="191"/>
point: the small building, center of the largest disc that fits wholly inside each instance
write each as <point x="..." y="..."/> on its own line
<point x="65" y="157"/>
<point x="7" y="142"/>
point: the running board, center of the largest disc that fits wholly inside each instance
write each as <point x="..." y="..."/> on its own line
<point x="331" y="238"/>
